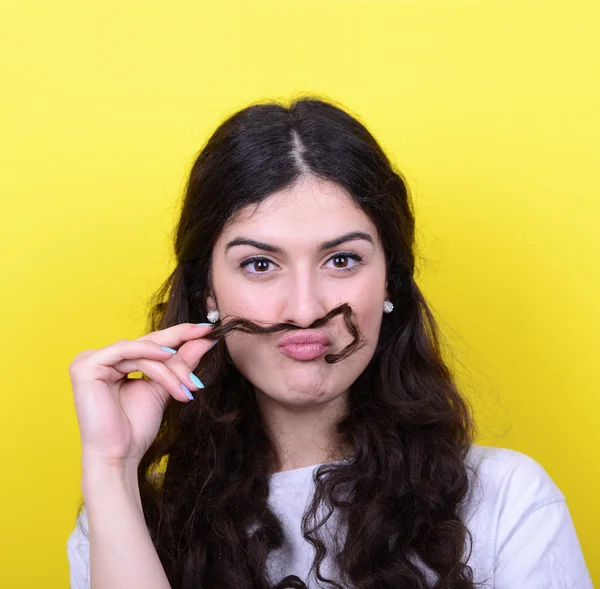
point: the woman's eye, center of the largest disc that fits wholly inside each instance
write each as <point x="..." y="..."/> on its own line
<point x="260" y="266"/>
<point x="345" y="261"/>
<point x="256" y="265"/>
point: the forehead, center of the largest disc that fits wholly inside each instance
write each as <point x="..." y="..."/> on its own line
<point x="311" y="210"/>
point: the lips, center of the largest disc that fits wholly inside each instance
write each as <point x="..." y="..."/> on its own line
<point x="304" y="345"/>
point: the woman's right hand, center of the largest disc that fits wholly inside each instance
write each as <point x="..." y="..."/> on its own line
<point x="119" y="417"/>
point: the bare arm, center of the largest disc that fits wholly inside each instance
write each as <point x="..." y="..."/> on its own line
<point x="118" y="419"/>
<point x="122" y="555"/>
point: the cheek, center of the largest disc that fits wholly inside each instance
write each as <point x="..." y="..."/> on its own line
<point x="368" y="306"/>
<point x="244" y="301"/>
<point x="251" y="353"/>
<point x="370" y="324"/>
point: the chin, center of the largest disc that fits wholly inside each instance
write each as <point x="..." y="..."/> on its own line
<point x="300" y="392"/>
<point x="299" y="384"/>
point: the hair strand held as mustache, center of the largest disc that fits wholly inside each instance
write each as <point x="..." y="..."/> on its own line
<point x="246" y="326"/>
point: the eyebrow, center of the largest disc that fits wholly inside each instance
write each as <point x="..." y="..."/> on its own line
<point x="353" y="236"/>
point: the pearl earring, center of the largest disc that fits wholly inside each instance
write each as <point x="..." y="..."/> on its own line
<point x="388" y="306"/>
<point x="213" y="316"/>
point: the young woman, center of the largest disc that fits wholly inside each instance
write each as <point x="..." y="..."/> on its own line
<point x="309" y="435"/>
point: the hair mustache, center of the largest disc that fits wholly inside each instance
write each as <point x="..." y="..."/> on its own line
<point x="246" y="326"/>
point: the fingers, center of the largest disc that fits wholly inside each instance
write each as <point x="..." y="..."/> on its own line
<point x="170" y="382"/>
<point x="145" y="354"/>
<point x="188" y="355"/>
<point x="174" y="365"/>
<point x="111" y="363"/>
<point x="175" y="336"/>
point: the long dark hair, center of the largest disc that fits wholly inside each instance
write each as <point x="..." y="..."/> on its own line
<point x="204" y="481"/>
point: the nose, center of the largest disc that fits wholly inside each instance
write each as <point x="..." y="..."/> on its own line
<point x="305" y="299"/>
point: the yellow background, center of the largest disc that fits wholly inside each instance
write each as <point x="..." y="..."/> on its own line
<point x="490" y="108"/>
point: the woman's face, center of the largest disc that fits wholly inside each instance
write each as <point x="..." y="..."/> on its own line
<point x="293" y="258"/>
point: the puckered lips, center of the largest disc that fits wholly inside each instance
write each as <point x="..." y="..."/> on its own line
<point x="304" y="345"/>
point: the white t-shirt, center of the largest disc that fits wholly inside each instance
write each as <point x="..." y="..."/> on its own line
<point x="523" y="535"/>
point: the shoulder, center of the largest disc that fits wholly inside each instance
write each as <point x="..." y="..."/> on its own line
<point x="501" y="474"/>
<point x="78" y="553"/>
<point x="521" y="526"/>
<point x="506" y="488"/>
<point x="80" y="531"/>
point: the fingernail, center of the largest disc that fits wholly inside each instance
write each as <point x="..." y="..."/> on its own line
<point x="168" y="349"/>
<point x="187" y="392"/>
<point x="203" y="324"/>
<point x="213" y="344"/>
<point x="196" y="380"/>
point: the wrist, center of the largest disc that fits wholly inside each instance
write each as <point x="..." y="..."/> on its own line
<point x="101" y="484"/>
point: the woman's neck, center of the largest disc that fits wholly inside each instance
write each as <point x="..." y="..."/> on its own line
<point x="304" y="435"/>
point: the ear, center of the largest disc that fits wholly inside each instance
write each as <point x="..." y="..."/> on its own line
<point x="387" y="294"/>
<point x="211" y="304"/>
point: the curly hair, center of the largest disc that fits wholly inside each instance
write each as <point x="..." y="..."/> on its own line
<point x="204" y="481"/>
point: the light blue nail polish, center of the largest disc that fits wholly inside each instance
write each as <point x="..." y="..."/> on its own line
<point x="187" y="392"/>
<point x="213" y="344"/>
<point x="168" y="349"/>
<point x="203" y="324"/>
<point x="196" y="380"/>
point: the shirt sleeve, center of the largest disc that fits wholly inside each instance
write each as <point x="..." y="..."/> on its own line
<point x="537" y="545"/>
<point x="78" y="554"/>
